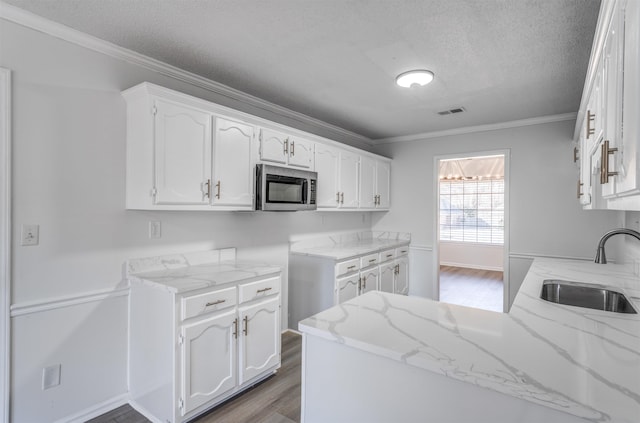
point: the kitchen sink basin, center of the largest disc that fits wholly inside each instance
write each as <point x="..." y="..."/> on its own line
<point x="585" y="295"/>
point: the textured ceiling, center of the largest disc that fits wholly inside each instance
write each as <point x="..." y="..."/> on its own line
<point x="336" y="60"/>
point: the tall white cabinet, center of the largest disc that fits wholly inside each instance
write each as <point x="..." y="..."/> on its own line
<point x="199" y="335"/>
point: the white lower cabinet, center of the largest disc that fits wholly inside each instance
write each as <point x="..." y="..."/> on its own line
<point x="190" y="351"/>
<point x="205" y="379"/>
<point x="260" y="343"/>
<point x="317" y="283"/>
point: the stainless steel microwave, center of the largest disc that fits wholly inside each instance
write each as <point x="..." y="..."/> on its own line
<point x="284" y="189"/>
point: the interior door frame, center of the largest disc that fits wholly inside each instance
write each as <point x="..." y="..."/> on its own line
<point x="5" y="239"/>
<point x="436" y="221"/>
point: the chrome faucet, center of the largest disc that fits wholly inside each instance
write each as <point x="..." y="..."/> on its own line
<point x="601" y="257"/>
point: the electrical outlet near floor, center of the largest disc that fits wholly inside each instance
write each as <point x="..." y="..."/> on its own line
<point x="30" y="235"/>
<point x="51" y="376"/>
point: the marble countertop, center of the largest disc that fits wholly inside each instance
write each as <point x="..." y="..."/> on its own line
<point x="581" y="361"/>
<point x="342" y="251"/>
<point x="188" y="278"/>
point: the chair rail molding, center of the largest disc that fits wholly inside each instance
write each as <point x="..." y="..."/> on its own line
<point x="5" y="239"/>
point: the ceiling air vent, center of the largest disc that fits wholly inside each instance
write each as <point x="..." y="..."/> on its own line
<point x="451" y="111"/>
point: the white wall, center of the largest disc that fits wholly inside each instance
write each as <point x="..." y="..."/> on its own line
<point x="471" y="255"/>
<point x="545" y="217"/>
<point x="69" y="177"/>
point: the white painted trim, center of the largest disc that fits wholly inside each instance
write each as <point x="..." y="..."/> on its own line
<point x="67" y="301"/>
<point x="63" y="32"/>
<point x="532" y="256"/>
<point x="142" y="410"/>
<point x="436" y="227"/>
<point x="420" y="247"/>
<point x="292" y="331"/>
<point x="470" y="266"/>
<point x="96" y="410"/>
<point x="5" y="241"/>
<point x="478" y="128"/>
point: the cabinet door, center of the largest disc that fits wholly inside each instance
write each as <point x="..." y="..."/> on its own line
<point x="369" y="280"/>
<point x="367" y="195"/>
<point x="274" y="146"/>
<point x="182" y="140"/>
<point x="387" y="275"/>
<point x="349" y="164"/>
<point x="260" y="338"/>
<point x="627" y="181"/>
<point x="208" y="360"/>
<point x="612" y="98"/>
<point x="347" y="288"/>
<point x="233" y="177"/>
<point x="402" y="276"/>
<point x="327" y="160"/>
<point x="383" y="183"/>
<point x="301" y="153"/>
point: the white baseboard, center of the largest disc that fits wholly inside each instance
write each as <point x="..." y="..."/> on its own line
<point x="96" y="410"/>
<point x="140" y="409"/>
<point x="472" y="266"/>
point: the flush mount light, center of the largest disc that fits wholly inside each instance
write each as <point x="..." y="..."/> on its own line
<point x="414" y="78"/>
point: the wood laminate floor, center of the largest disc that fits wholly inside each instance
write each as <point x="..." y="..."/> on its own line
<point x="275" y="400"/>
<point x="471" y="287"/>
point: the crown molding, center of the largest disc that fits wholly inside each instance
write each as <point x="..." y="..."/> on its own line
<point x="63" y="32"/>
<point x="478" y="128"/>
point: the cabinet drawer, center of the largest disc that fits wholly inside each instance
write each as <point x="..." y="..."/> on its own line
<point x="254" y="290"/>
<point x="196" y="305"/>
<point x="402" y="251"/>
<point x="387" y="255"/>
<point x="348" y="266"/>
<point x="368" y="260"/>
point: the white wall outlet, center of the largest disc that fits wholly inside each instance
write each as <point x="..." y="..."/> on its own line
<point x="155" y="229"/>
<point x="30" y="235"/>
<point x="51" y="376"/>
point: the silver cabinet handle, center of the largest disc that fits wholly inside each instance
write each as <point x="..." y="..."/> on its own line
<point x="214" y="303"/>
<point x="342" y="198"/>
<point x="245" y="330"/>
<point x="338" y="197"/>
<point x="372" y="260"/>
<point x="286" y="146"/>
<point x="218" y="190"/>
<point x="351" y="267"/>
<point x="235" y="328"/>
<point x="293" y="148"/>
<point x="263" y="290"/>
<point x="208" y="191"/>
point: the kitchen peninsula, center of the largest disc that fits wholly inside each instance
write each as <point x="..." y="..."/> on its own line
<point x="397" y="358"/>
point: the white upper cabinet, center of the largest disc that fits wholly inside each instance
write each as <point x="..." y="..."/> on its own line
<point x="301" y="152"/>
<point x="348" y="180"/>
<point x="610" y="128"/>
<point x="284" y="149"/>
<point x="327" y="166"/>
<point x="375" y="175"/>
<point x="627" y="179"/>
<point x="182" y="154"/>
<point x="233" y="177"/>
<point x="383" y="184"/>
<point x="185" y="153"/>
<point x="368" y="195"/>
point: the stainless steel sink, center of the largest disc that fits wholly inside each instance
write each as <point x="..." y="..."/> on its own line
<point x="585" y="295"/>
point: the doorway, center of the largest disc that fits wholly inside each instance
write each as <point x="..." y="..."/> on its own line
<point x="471" y="235"/>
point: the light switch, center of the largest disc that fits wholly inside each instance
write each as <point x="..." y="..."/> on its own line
<point x="30" y="235"/>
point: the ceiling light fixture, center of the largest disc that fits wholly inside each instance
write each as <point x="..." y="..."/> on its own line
<point x="414" y="78"/>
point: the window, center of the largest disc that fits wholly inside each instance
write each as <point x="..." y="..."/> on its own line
<point x="472" y="211"/>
